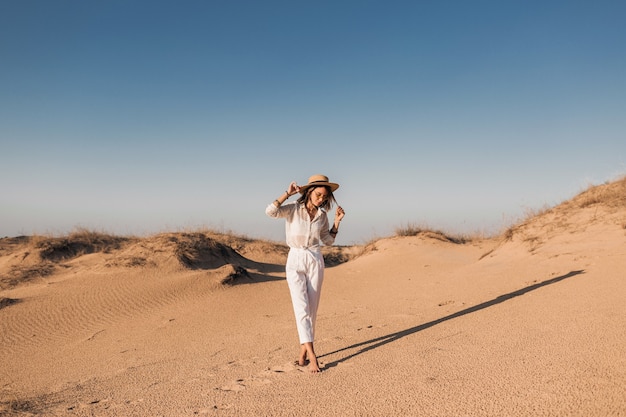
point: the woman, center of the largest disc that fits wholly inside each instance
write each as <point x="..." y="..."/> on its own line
<point x="307" y="229"/>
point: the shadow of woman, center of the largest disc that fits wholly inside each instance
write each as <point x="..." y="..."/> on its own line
<point x="383" y="340"/>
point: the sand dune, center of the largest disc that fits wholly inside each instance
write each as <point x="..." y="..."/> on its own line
<point x="529" y="323"/>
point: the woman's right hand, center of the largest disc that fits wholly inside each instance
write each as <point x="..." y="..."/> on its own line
<point x="293" y="188"/>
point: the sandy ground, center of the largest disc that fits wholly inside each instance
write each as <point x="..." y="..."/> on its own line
<point x="528" y="324"/>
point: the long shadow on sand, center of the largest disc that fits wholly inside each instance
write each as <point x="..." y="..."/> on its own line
<point x="383" y="340"/>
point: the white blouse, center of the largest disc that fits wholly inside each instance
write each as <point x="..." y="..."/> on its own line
<point x="301" y="231"/>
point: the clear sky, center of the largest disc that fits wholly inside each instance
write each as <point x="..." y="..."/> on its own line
<point x="138" y="117"/>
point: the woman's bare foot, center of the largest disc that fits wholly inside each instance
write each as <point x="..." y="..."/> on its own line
<point x="314" y="367"/>
<point x="309" y="352"/>
<point x="302" y="359"/>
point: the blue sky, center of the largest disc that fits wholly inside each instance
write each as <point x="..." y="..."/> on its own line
<point x="138" y="117"/>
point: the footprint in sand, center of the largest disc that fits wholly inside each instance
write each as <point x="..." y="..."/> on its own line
<point x="262" y="378"/>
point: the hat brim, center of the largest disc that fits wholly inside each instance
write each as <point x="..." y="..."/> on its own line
<point x="333" y="186"/>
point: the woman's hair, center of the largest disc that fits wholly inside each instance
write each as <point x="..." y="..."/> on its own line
<point x="328" y="202"/>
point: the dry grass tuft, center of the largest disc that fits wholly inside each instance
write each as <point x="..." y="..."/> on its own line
<point x="529" y="215"/>
<point x="610" y="194"/>
<point x="415" y="230"/>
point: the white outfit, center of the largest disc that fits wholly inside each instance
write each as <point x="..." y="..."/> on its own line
<point x="305" y="263"/>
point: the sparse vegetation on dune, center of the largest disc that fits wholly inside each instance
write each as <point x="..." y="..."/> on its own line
<point x="26" y="258"/>
<point x="609" y="197"/>
<point x="38" y="256"/>
<point x="609" y="194"/>
<point x="30" y="258"/>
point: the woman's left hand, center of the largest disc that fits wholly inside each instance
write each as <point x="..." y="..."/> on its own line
<point x="339" y="214"/>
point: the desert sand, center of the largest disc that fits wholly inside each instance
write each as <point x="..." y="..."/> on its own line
<point x="528" y="323"/>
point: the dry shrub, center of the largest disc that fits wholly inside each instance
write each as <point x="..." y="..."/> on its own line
<point x="198" y="251"/>
<point x="130" y="262"/>
<point x="6" y="302"/>
<point x="77" y="243"/>
<point x="19" y="274"/>
<point x="335" y="255"/>
<point x="18" y="407"/>
<point x="231" y="274"/>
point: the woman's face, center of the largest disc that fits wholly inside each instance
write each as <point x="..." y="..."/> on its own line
<point x="318" y="196"/>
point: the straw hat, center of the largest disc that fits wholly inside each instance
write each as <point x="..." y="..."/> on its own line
<point x="318" y="180"/>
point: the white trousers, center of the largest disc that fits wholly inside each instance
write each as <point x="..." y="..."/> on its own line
<point x="305" y="273"/>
